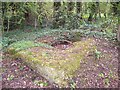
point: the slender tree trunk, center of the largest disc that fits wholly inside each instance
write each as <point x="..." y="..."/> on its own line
<point x="64" y="14"/>
<point x="3" y="14"/>
<point x="98" y="5"/>
<point x="2" y="17"/>
<point x="70" y="21"/>
<point x="90" y="17"/>
<point x="56" y="22"/>
<point x="95" y="16"/>
<point x="79" y="14"/>
<point x="70" y="7"/>
<point x="97" y="10"/>
<point x="116" y="11"/>
<point x="93" y="11"/>
<point x="2" y="25"/>
<point x="105" y="15"/>
<point x="40" y="12"/>
<point x="35" y="23"/>
<point x="8" y="25"/>
<point x="118" y="33"/>
<point x="79" y="8"/>
<point x="85" y="8"/>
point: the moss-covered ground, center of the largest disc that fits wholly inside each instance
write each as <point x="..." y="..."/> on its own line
<point x="56" y="65"/>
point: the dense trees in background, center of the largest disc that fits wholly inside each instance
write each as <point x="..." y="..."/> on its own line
<point x="116" y="11"/>
<point x="69" y="15"/>
<point x="57" y="12"/>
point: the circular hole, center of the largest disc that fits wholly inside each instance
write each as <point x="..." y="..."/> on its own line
<point x="61" y="44"/>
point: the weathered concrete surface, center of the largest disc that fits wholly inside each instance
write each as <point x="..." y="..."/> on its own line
<point x="56" y="65"/>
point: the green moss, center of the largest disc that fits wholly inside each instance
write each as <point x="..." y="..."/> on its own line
<point x="56" y="65"/>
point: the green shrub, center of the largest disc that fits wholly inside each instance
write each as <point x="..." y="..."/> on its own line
<point x="5" y="42"/>
<point x="22" y="45"/>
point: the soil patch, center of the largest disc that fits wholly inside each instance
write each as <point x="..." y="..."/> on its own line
<point x="63" y="44"/>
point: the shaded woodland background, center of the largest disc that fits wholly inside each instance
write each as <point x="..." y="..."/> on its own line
<point x="91" y="18"/>
<point x="68" y="15"/>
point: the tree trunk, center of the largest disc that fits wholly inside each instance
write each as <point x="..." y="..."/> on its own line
<point x="70" y="15"/>
<point x="35" y="23"/>
<point x="79" y="14"/>
<point x="70" y="7"/>
<point x="90" y="17"/>
<point x="118" y="34"/>
<point x="105" y="15"/>
<point x="56" y="22"/>
<point x="93" y="11"/>
<point x="116" y="11"/>
<point x="98" y="6"/>
<point x="79" y="8"/>
<point x="40" y="12"/>
<point x="2" y="17"/>
<point x="4" y="10"/>
<point x="8" y="25"/>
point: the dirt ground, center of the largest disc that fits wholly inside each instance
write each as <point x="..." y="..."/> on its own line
<point x="93" y="73"/>
<point x="100" y="73"/>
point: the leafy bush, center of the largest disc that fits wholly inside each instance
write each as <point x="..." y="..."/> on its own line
<point x="6" y="42"/>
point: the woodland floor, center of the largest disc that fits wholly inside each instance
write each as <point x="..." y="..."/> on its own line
<point x="100" y="73"/>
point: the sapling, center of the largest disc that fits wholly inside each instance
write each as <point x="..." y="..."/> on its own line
<point x="97" y="54"/>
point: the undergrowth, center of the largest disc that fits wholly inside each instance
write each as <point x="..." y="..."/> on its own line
<point x="22" y="45"/>
<point x="86" y="30"/>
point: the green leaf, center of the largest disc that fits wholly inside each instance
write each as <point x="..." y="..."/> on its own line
<point x="10" y="77"/>
<point x="101" y="75"/>
<point x="40" y="83"/>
